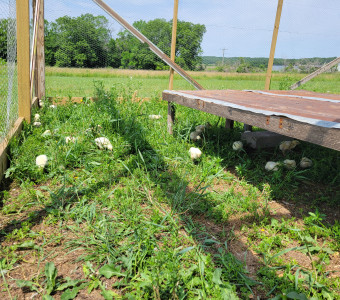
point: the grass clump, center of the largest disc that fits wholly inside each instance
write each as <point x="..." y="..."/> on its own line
<point x="143" y="221"/>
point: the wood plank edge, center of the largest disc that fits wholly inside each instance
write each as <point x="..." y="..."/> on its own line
<point x="15" y="131"/>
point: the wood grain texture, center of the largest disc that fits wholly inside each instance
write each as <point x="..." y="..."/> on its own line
<point x="23" y="59"/>
<point x="273" y="45"/>
<point x="40" y="60"/>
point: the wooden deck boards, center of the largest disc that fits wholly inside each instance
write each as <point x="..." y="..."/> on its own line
<point x="312" y="117"/>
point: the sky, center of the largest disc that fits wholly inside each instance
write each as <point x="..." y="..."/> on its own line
<point x="308" y="28"/>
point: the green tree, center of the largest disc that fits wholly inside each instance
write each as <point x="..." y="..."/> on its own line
<point x="3" y="38"/>
<point x="136" y="55"/>
<point x="78" y="42"/>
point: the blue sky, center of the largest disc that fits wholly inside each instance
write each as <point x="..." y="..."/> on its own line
<point x="308" y="28"/>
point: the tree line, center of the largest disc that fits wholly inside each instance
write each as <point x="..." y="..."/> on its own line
<point x="86" y="42"/>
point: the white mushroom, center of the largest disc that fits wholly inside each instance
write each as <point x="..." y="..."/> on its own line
<point x="195" y="136"/>
<point x="155" y="117"/>
<point x="103" y="143"/>
<point x="41" y="103"/>
<point x="289" y="164"/>
<point x="36" y="117"/>
<point x="271" y="166"/>
<point x="70" y="139"/>
<point x="36" y="124"/>
<point x="195" y="153"/>
<point x="305" y="163"/>
<point x="237" y="146"/>
<point x="46" y="133"/>
<point x="41" y="161"/>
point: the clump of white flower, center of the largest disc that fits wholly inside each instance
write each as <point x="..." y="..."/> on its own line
<point x="305" y="163"/>
<point x="195" y="136"/>
<point x="41" y="103"/>
<point x="41" y="161"/>
<point x="289" y="164"/>
<point x="272" y="166"/>
<point x="36" y="117"/>
<point x="46" y="133"/>
<point x="103" y="143"/>
<point x="237" y="146"/>
<point x="53" y="106"/>
<point x="195" y="153"/>
<point x="155" y="117"/>
<point x="70" y="139"/>
<point x="36" y="124"/>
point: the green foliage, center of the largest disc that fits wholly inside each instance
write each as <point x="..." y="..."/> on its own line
<point x="3" y="38"/>
<point x="77" y="42"/>
<point x="138" y="56"/>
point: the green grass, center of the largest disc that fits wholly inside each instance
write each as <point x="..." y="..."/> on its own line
<point x="146" y="222"/>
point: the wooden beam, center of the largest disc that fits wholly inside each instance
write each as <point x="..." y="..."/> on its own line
<point x="16" y="129"/>
<point x="23" y="59"/>
<point x="316" y="73"/>
<point x="273" y="46"/>
<point x="40" y="60"/>
<point x="173" y="43"/>
<point x="171" y="108"/>
<point x="152" y="47"/>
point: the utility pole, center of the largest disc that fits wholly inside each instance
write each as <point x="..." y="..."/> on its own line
<point x="224" y="49"/>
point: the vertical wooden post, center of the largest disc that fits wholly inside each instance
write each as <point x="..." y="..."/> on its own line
<point x="23" y="53"/>
<point x="171" y="107"/>
<point x="273" y="46"/>
<point x="39" y="76"/>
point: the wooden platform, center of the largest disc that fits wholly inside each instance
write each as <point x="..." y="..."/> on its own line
<point x="307" y="116"/>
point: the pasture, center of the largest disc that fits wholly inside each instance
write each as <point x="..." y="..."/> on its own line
<point x="144" y="221"/>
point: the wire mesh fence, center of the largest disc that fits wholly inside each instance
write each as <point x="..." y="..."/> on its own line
<point x="215" y="36"/>
<point x="8" y="70"/>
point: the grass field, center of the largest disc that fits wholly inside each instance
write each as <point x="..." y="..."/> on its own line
<point x="144" y="221"/>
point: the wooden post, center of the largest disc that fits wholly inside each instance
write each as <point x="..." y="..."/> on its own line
<point x="316" y="73"/>
<point x="171" y="107"/>
<point x="173" y="43"/>
<point x="23" y="53"/>
<point x="273" y="46"/>
<point x="40" y="59"/>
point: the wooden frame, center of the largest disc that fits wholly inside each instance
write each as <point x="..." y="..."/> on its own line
<point x="327" y="137"/>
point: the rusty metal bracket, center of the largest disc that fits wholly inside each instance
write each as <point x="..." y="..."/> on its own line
<point x="281" y="123"/>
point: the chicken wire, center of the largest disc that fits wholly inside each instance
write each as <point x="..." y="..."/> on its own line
<point x="8" y="70"/>
<point x="238" y="32"/>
